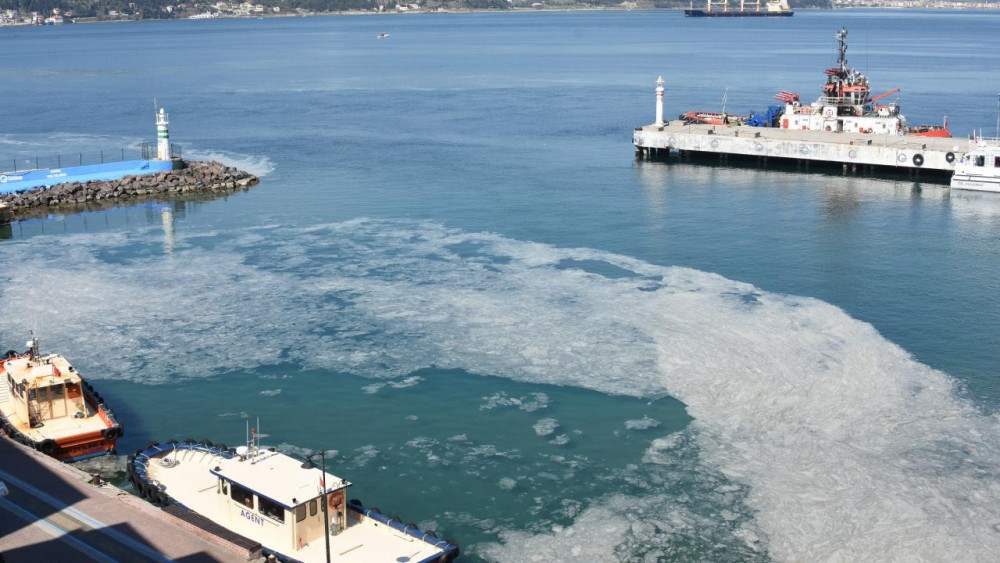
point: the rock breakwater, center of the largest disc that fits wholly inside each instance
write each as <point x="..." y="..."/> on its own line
<point x="194" y="177"/>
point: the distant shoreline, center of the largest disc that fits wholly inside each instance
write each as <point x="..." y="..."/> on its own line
<point x="617" y="8"/>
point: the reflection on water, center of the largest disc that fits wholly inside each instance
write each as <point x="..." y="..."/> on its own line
<point x="980" y="209"/>
<point x="79" y="218"/>
<point x="168" y="230"/>
<point x="840" y="196"/>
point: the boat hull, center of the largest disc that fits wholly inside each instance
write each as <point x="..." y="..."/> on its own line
<point x="929" y="131"/>
<point x="736" y="14"/>
<point x="975" y="183"/>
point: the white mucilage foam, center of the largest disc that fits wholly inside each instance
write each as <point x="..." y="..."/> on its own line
<point x="852" y="451"/>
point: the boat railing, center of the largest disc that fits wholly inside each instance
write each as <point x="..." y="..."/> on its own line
<point x="20" y="165"/>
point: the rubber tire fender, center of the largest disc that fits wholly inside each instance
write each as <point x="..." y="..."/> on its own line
<point x="950" y="157"/>
<point x="918" y="160"/>
<point x="47" y="446"/>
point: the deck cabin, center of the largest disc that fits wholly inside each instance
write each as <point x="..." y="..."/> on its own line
<point x="272" y="496"/>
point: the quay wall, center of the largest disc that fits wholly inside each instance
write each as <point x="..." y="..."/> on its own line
<point x="11" y="182"/>
<point x="896" y="153"/>
<point x="193" y="177"/>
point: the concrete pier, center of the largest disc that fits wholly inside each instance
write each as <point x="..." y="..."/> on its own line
<point x="927" y="157"/>
<point x="54" y="513"/>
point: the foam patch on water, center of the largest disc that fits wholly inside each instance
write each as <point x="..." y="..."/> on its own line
<point x="850" y="449"/>
<point x="68" y="144"/>
<point x="546" y="426"/>
<point x="644" y="423"/>
<point x="259" y="166"/>
<point x="107" y="466"/>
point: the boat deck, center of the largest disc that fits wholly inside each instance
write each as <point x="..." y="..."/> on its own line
<point x="57" y="428"/>
<point x="190" y="481"/>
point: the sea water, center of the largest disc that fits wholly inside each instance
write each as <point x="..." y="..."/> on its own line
<point x="456" y="280"/>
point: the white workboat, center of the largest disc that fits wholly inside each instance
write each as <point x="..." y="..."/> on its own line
<point x="286" y="505"/>
<point x="979" y="168"/>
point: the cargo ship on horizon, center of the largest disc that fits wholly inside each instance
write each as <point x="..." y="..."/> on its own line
<point x="721" y="9"/>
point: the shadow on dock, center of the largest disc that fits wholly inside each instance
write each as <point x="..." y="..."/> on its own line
<point x="51" y="514"/>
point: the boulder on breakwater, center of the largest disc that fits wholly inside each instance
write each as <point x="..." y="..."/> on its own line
<point x="193" y="177"/>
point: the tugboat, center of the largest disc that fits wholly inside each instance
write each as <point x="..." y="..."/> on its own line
<point x="297" y="511"/>
<point x="845" y="106"/>
<point x="46" y="405"/>
<point x="717" y="9"/>
<point x="979" y="168"/>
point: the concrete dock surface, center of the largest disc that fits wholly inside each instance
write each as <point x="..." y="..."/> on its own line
<point x="852" y="151"/>
<point x="53" y="513"/>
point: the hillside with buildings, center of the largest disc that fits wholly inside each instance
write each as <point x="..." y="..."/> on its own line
<point x="24" y="12"/>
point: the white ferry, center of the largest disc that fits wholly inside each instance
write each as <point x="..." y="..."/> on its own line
<point x="979" y="168"/>
<point x="46" y="405"/>
<point x="296" y="511"/>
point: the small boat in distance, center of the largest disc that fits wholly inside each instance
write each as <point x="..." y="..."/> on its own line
<point x="296" y="511"/>
<point x="721" y="9"/>
<point x="383" y="35"/>
<point x="979" y="168"/>
<point x="46" y="405"/>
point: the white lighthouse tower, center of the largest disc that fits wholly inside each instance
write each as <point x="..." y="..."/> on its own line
<point x="659" y="102"/>
<point x="162" y="137"/>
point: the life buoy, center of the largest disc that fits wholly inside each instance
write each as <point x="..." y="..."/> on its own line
<point x="918" y="160"/>
<point x="336" y="501"/>
<point x="950" y="157"/>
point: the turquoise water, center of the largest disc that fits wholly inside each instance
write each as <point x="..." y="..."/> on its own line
<point x="456" y="279"/>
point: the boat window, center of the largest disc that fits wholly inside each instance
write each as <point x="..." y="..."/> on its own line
<point x="300" y="513"/>
<point x="57" y="391"/>
<point x="73" y="390"/>
<point x="996" y="162"/>
<point x="272" y="510"/>
<point x="242" y="496"/>
<point x="312" y="507"/>
<point x="979" y="160"/>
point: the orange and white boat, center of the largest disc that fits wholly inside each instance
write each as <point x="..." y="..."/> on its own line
<point x="46" y="405"/>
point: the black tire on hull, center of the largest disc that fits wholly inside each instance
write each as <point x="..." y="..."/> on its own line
<point x="47" y="447"/>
